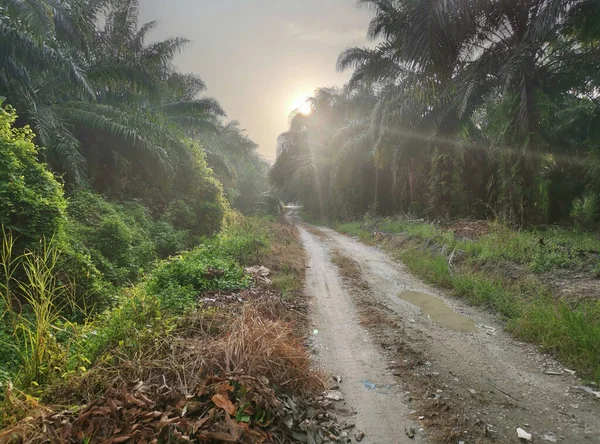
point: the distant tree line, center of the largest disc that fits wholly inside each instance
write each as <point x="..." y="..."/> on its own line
<point x="464" y="108"/>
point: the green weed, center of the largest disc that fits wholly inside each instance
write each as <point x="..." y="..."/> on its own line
<point x="355" y="229"/>
<point x="33" y="325"/>
<point x="178" y="281"/>
<point x="571" y="333"/>
<point x="428" y="265"/>
<point x="482" y="290"/>
<point x="288" y="284"/>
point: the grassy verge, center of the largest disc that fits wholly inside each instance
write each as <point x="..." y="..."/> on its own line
<point x="200" y="333"/>
<point x="482" y="271"/>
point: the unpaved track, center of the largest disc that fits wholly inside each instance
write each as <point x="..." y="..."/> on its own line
<point x="508" y="378"/>
<point x="345" y="349"/>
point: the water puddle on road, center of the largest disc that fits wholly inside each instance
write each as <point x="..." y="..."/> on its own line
<point x="438" y="311"/>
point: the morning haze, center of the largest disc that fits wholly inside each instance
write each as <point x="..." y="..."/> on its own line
<point x="260" y="57"/>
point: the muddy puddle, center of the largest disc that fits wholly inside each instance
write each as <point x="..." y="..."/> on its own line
<point x="438" y="311"/>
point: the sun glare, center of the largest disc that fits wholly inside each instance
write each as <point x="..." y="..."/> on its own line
<point x="302" y="105"/>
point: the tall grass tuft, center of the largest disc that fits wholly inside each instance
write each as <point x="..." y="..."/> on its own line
<point x="33" y="303"/>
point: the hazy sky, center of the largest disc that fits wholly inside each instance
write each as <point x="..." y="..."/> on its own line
<point x="259" y="57"/>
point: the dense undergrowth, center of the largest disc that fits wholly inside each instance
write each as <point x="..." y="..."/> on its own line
<point x="508" y="271"/>
<point x="150" y="331"/>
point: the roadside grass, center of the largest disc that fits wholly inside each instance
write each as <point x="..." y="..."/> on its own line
<point x="286" y="258"/>
<point x="538" y="250"/>
<point x="431" y="267"/>
<point x="568" y="329"/>
<point x="288" y="284"/>
<point x="355" y="229"/>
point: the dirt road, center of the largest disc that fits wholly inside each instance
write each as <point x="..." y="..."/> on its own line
<point x="426" y="355"/>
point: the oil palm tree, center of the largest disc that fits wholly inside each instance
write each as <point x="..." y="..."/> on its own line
<point x="441" y="61"/>
<point x="75" y="82"/>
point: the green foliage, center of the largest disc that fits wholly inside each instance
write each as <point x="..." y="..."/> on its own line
<point x="180" y="215"/>
<point x="136" y="320"/>
<point x="31" y="199"/>
<point x="43" y="347"/>
<point x="167" y="239"/>
<point x="115" y="236"/>
<point x="214" y="265"/>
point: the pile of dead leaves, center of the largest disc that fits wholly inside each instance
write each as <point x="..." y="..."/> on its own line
<point x="238" y="409"/>
<point x="469" y="229"/>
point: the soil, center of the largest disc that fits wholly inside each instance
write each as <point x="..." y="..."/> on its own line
<point x="403" y="370"/>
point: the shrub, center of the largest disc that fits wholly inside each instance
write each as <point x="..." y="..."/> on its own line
<point x="131" y="323"/>
<point x="180" y="215"/>
<point x="167" y="239"/>
<point x="116" y="236"/>
<point x="31" y="200"/>
<point x="178" y="281"/>
<point x="113" y="239"/>
<point x="200" y="218"/>
<point x="92" y="291"/>
<point x="199" y="202"/>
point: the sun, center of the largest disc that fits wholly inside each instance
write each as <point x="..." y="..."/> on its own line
<point x="302" y="105"/>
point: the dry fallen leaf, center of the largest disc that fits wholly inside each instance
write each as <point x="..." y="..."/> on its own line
<point x="224" y="403"/>
<point x="220" y="436"/>
<point x="234" y="429"/>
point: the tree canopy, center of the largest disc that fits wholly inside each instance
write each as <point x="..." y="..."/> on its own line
<point x="110" y="106"/>
<point x="461" y="108"/>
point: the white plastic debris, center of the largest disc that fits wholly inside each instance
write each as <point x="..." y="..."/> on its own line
<point x="259" y="273"/>
<point x="522" y="434"/>
<point x="549" y="436"/>
<point x="588" y="390"/>
<point x="334" y="395"/>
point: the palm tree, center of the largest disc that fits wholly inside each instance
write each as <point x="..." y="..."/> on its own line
<point x="112" y="87"/>
<point x="439" y="62"/>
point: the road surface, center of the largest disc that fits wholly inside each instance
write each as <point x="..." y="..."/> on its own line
<point x="489" y="380"/>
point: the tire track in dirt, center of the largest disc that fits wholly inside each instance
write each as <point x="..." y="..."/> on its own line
<point x="498" y="382"/>
<point x="345" y="348"/>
